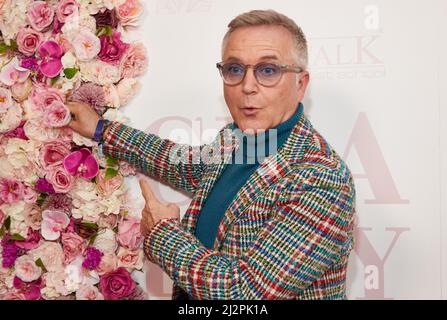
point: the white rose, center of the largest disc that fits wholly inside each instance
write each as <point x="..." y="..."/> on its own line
<point x="106" y="241"/>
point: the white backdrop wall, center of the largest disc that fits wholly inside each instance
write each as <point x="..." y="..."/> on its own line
<point x="378" y="94"/>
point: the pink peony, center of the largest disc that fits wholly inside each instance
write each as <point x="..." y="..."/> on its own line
<point x="73" y="246"/>
<point x="11" y="191"/>
<point x="57" y="115"/>
<point x="134" y="62"/>
<point x="28" y="40"/>
<point x="108" y="264"/>
<point x="117" y="284"/>
<point x="108" y="186"/>
<point x="81" y="163"/>
<point x="53" y="153"/>
<point x="50" y="253"/>
<point x="129" y="11"/>
<point x="26" y="269"/>
<point x="61" y="180"/>
<point x="127" y="89"/>
<point x="29" y="195"/>
<point x="88" y="293"/>
<point x="86" y="45"/>
<point x="43" y="97"/>
<point x="53" y="223"/>
<point x="14" y="295"/>
<point x="66" y="9"/>
<point x="12" y="73"/>
<point x="40" y="15"/>
<point x="112" y="48"/>
<point x="50" y="53"/>
<point x="129" y="234"/>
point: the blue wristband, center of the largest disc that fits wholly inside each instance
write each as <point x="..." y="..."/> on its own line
<point x="98" y="131"/>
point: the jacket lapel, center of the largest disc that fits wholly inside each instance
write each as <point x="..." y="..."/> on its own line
<point x="268" y="173"/>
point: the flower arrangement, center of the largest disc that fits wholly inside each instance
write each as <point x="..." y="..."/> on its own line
<point x="66" y="228"/>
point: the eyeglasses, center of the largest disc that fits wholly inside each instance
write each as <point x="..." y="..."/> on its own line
<point x="267" y="74"/>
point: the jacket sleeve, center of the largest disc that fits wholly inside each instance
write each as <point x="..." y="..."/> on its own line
<point x="308" y="232"/>
<point x="176" y="164"/>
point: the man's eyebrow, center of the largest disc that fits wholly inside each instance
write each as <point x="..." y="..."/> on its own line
<point x="268" y="57"/>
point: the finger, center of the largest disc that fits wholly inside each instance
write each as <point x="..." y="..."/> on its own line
<point x="146" y="191"/>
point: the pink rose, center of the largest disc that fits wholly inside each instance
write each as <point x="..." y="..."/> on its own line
<point x="130" y="259"/>
<point x="86" y="45"/>
<point x="112" y="48"/>
<point x="108" y="186"/>
<point x="26" y="269"/>
<point x="33" y="216"/>
<point x="53" y="153"/>
<point x="117" y="284"/>
<point x="134" y="62"/>
<point x="129" y="234"/>
<point x="11" y="191"/>
<point x="53" y="223"/>
<point x="73" y="246"/>
<point x="127" y="89"/>
<point x="110" y="221"/>
<point x="29" y="195"/>
<point x="40" y="15"/>
<point x="108" y="264"/>
<point x="61" y="180"/>
<point x="88" y="293"/>
<point x="43" y="97"/>
<point x="57" y="115"/>
<point x="129" y="11"/>
<point x="66" y="9"/>
<point x="28" y="40"/>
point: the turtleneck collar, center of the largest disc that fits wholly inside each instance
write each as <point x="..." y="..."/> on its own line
<point x="271" y="140"/>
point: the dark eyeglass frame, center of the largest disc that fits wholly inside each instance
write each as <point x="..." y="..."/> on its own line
<point x="282" y="68"/>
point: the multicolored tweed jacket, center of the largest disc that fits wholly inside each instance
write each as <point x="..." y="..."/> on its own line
<point x="287" y="234"/>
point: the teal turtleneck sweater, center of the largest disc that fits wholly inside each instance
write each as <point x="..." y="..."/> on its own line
<point x="244" y="162"/>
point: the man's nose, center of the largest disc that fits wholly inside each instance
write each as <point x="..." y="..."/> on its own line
<point x="250" y="84"/>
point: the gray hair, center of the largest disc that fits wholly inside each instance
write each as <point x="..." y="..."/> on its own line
<point x="271" y="17"/>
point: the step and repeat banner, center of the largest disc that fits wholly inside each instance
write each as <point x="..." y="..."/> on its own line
<point x="377" y="94"/>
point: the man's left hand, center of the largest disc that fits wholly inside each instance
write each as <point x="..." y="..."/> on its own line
<point x="154" y="210"/>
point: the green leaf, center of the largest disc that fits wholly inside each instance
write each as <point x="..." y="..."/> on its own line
<point x="110" y="173"/>
<point x="115" y="229"/>
<point x="3" y="48"/>
<point x="70" y="72"/>
<point x="92" y="239"/>
<point x="54" y="80"/>
<point x="40" y="264"/>
<point x="13" y="45"/>
<point x="112" y="162"/>
<point x="90" y="225"/>
<point x="41" y="198"/>
<point x="107" y="31"/>
<point x="17" y="237"/>
<point x="2" y="231"/>
<point x="7" y="223"/>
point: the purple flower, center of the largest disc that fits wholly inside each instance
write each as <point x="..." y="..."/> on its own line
<point x="57" y="26"/>
<point x="58" y="202"/>
<point x="10" y="252"/>
<point x="31" y="242"/>
<point x="43" y="185"/>
<point x="17" y="132"/>
<point x="112" y="48"/>
<point x="106" y="18"/>
<point x="93" y="258"/>
<point x="30" y="63"/>
<point x="91" y="94"/>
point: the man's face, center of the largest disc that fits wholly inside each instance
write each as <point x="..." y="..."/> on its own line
<point x="252" y="105"/>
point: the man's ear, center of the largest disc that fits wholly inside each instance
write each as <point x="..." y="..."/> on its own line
<point x="302" y="80"/>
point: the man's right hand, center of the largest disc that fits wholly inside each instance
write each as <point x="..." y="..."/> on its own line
<point x="83" y="118"/>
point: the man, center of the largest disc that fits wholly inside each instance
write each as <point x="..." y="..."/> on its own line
<point x="279" y="227"/>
